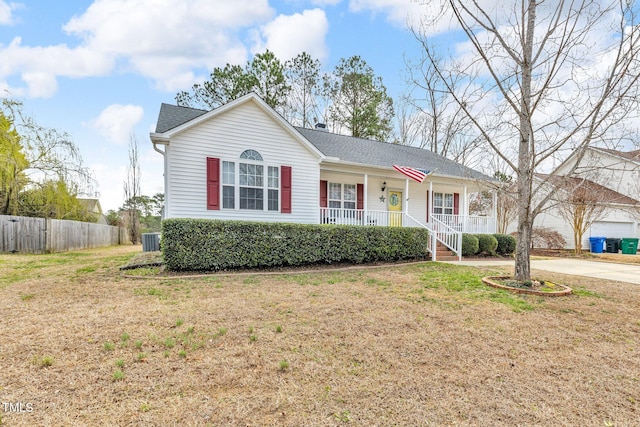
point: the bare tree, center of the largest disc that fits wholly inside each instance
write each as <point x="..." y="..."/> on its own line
<point x="555" y="77"/>
<point x="580" y="203"/>
<point x="438" y="122"/>
<point x="132" y="193"/>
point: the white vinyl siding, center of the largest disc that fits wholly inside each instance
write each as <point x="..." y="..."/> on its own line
<point x="226" y="136"/>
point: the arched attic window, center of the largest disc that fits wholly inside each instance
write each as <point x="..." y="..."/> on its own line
<point x="251" y="155"/>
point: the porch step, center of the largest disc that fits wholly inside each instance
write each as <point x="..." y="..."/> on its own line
<point x="446" y="257"/>
<point x="443" y="253"/>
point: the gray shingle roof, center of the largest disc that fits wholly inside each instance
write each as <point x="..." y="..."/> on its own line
<point x="370" y="152"/>
<point x="171" y="116"/>
<point x="347" y="148"/>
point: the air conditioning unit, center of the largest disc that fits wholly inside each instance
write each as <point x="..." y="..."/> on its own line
<point x="150" y="242"/>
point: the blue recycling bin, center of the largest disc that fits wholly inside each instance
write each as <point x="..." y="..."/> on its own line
<point x="597" y="244"/>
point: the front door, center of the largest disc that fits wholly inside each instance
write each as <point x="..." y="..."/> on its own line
<point x="395" y="208"/>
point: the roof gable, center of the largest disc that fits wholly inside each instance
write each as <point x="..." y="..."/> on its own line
<point x="171" y="116"/>
<point x="178" y="119"/>
<point x="375" y="153"/>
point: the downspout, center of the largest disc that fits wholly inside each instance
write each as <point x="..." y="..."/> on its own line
<point x="155" y="147"/>
<point x="164" y="177"/>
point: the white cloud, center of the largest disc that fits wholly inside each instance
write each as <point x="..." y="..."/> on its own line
<point x="6" y="12"/>
<point x="164" y="40"/>
<point x="40" y="66"/>
<point x="288" y="36"/>
<point x="41" y="85"/>
<point x="399" y="12"/>
<point x="116" y="122"/>
<point x="325" y="2"/>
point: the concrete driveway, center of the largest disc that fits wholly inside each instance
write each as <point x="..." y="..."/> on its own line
<point x="629" y="273"/>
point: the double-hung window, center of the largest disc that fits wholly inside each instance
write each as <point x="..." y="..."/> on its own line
<point x="228" y="185"/>
<point x="251" y="186"/>
<point x="342" y="196"/>
<point x="273" y="188"/>
<point x="443" y="203"/>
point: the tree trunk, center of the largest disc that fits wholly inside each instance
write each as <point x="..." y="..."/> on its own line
<point x="523" y="263"/>
<point x="525" y="153"/>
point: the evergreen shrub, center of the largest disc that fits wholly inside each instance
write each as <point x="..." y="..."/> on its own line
<point x="487" y="244"/>
<point x="469" y="244"/>
<point x="211" y="245"/>
<point x="506" y="244"/>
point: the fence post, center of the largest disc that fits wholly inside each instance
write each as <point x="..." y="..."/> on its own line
<point x="47" y="234"/>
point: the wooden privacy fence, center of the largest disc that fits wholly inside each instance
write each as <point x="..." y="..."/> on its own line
<point x="40" y="235"/>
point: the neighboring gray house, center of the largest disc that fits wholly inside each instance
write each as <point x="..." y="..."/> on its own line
<point x="243" y="161"/>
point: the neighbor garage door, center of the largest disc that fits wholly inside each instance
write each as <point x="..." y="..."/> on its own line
<point x="612" y="229"/>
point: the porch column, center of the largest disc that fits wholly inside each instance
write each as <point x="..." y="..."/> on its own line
<point x="495" y="210"/>
<point x="430" y="202"/>
<point x="465" y="210"/>
<point x="366" y="191"/>
<point x="406" y="196"/>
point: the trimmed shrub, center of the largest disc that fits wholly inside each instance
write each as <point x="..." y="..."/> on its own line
<point x="210" y="245"/>
<point x="487" y="244"/>
<point x="506" y="244"/>
<point x="469" y="244"/>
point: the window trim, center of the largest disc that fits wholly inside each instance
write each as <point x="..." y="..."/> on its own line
<point x="343" y="193"/>
<point x="267" y="189"/>
<point x="442" y="206"/>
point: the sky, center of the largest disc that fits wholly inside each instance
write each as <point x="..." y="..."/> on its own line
<point x="99" y="70"/>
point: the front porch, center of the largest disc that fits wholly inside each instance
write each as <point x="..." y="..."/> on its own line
<point x="444" y="230"/>
<point x="460" y="223"/>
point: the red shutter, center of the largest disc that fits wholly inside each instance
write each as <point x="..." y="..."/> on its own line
<point x="285" y="189"/>
<point x="428" y="196"/>
<point x="323" y="194"/>
<point x="456" y="203"/>
<point x="213" y="183"/>
<point x="360" y="196"/>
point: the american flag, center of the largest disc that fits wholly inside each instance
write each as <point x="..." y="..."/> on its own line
<point x="413" y="173"/>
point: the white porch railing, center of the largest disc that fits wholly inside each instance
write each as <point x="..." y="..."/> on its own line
<point x="447" y="229"/>
<point x="451" y="237"/>
<point x="360" y="217"/>
<point x="468" y="224"/>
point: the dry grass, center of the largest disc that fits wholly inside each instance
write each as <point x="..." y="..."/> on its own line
<point x="421" y="345"/>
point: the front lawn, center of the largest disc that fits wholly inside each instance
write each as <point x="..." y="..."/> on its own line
<point x="415" y="345"/>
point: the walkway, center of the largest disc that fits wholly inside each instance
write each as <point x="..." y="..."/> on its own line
<point x="629" y="273"/>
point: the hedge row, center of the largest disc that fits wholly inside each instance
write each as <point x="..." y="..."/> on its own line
<point x="210" y="245"/>
<point x="488" y="244"/>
